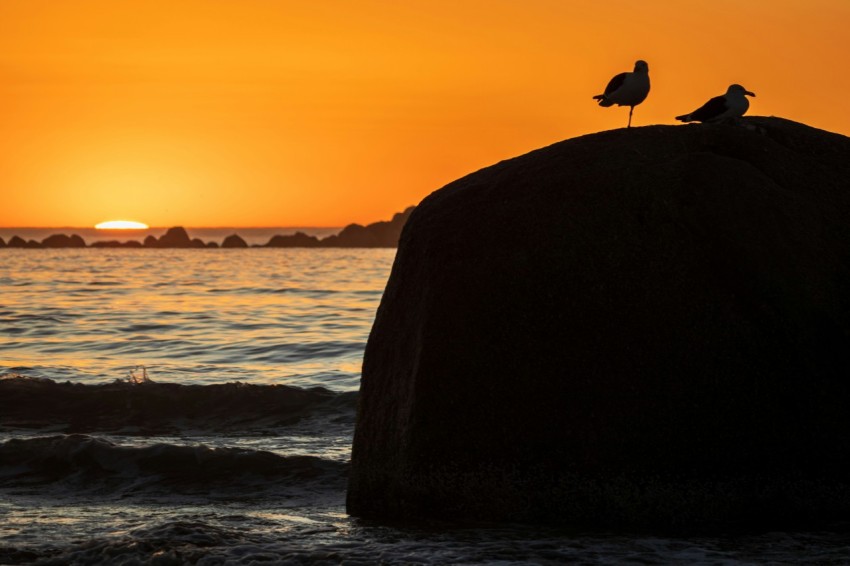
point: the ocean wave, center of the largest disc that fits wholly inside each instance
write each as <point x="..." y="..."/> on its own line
<point x="334" y="539"/>
<point x="158" y="408"/>
<point x="13" y="317"/>
<point x="85" y="465"/>
<point x="277" y="353"/>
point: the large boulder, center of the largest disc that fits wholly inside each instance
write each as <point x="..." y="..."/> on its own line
<point x="642" y="327"/>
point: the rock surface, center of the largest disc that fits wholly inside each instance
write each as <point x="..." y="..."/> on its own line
<point x="383" y="234"/>
<point x="175" y="237"/>
<point x="116" y="244"/>
<point x="296" y="240"/>
<point x="636" y="328"/>
<point x="234" y="241"/>
<point x="63" y="241"/>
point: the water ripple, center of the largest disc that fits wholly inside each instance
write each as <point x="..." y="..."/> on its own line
<point x="299" y="317"/>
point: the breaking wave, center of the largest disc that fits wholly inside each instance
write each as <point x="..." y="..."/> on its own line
<point x="146" y="407"/>
<point x="85" y="465"/>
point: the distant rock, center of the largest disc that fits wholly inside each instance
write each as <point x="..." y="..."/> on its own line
<point x="297" y="240"/>
<point x="2" y="243"/>
<point x="640" y="328"/>
<point x="175" y="238"/>
<point x="63" y="241"/>
<point x="234" y="241"/>
<point x="116" y="244"/>
<point x="376" y="235"/>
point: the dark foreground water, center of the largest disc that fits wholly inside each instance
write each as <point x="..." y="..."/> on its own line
<point x="236" y="448"/>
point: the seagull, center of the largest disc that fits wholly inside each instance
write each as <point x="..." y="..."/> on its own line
<point x="733" y="104"/>
<point x="627" y="89"/>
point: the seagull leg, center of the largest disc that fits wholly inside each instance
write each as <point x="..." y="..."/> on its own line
<point x="631" y="109"/>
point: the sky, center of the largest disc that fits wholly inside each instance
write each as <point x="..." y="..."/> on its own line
<point x="321" y="113"/>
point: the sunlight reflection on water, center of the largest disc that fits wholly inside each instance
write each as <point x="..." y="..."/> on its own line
<point x="295" y="316"/>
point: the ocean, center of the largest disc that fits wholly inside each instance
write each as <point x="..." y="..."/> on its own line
<point x="197" y="407"/>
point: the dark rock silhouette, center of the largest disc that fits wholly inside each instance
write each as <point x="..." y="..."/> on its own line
<point x="116" y="244"/>
<point x="17" y="242"/>
<point x="234" y="241"/>
<point x="63" y="241"/>
<point x="175" y="238"/>
<point x="297" y="240"/>
<point x="637" y="328"/>
<point x="375" y="235"/>
<point x="2" y="243"/>
<point x="382" y="234"/>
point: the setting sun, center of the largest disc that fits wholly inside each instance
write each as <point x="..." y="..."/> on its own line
<point x="121" y="225"/>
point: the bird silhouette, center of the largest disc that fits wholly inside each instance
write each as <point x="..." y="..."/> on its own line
<point x="733" y="104"/>
<point x="627" y="89"/>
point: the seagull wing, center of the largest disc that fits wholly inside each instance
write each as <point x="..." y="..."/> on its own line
<point x="711" y="109"/>
<point x="615" y="83"/>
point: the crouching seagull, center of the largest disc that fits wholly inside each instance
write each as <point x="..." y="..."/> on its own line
<point x="733" y="104"/>
<point x="627" y="89"/>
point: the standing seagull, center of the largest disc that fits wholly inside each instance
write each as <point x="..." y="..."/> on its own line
<point x="733" y="104"/>
<point x="627" y="89"/>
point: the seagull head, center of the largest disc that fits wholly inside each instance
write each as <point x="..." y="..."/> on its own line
<point x="739" y="90"/>
<point x="641" y="66"/>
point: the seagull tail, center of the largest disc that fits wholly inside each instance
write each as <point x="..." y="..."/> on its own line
<point x="684" y="118"/>
<point x="604" y="102"/>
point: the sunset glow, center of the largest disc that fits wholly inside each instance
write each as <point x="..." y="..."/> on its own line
<point x="121" y="225"/>
<point x="258" y="113"/>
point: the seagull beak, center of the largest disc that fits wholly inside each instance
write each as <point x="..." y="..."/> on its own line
<point x="749" y="93"/>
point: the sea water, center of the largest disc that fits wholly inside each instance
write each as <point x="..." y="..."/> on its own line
<point x="197" y="407"/>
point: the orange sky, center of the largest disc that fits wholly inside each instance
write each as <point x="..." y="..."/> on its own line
<point x="321" y="113"/>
